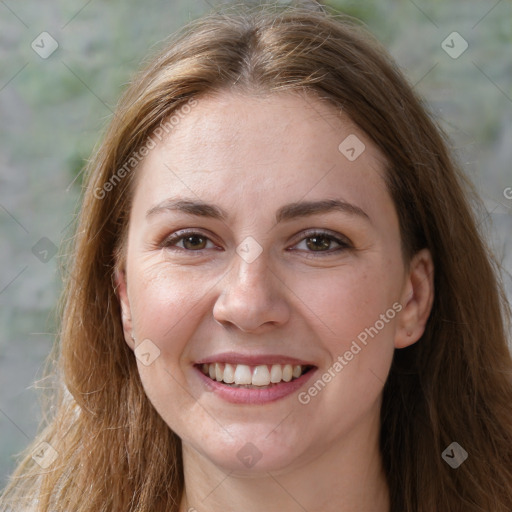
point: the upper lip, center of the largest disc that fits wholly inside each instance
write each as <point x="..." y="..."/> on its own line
<point x="252" y="359"/>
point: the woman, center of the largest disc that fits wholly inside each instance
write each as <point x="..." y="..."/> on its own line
<point x="278" y="298"/>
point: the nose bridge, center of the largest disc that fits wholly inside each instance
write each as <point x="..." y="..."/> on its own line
<point x="250" y="295"/>
<point x="251" y="271"/>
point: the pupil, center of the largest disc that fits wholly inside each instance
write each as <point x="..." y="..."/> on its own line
<point x="324" y="245"/>
<point x="188" y="242"/>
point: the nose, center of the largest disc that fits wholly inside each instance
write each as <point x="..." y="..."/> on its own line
<point x="252" y="296"/>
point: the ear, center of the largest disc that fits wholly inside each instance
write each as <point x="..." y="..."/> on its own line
<point x="417" y="299"/>
<point x="126" y="315"/>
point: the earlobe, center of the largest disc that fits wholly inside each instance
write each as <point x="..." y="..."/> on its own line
<point x="126" y="317"/>
<point x="417" y="300"/>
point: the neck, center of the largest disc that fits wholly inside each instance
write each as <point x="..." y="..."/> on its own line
<point x="346" y="477"/>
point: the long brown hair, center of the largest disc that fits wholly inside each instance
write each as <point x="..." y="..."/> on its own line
<point x="114" y="452"/>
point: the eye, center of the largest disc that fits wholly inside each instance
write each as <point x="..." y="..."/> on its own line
<point x="191" y="241"/>
<point x="322" y="241"/>
<point x="315" y="241"/>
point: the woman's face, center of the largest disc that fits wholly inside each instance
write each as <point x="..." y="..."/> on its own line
<point x="262" y="238"/>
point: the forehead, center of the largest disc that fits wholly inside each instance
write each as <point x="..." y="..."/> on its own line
<point x="239" y="150"/>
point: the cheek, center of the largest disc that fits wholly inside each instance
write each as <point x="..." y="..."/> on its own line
<point x="354" y="320"/>
<point x="346" y="301"/>
<point x="166" y="303"/>
<point x="358" y="343"/>
<point x="166" y="308"/>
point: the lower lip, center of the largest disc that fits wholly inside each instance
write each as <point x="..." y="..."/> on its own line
<point x="254" y="395"/>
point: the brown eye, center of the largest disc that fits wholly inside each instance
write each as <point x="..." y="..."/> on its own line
<point x="190" y="241"/>
<point x="320" y="242"/>
<point x="194" y="242"/>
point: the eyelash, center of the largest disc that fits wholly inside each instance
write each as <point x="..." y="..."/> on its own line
<point x="180" y="235"/>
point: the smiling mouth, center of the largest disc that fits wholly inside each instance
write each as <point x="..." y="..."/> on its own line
<point x="249" y="376"/>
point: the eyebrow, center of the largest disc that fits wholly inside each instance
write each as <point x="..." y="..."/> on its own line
<point x="285" y="213"/>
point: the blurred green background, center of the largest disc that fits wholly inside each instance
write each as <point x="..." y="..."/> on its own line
<point x="53" y="111"/>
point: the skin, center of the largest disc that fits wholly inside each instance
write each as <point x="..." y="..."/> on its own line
<point x="251" y="154"/>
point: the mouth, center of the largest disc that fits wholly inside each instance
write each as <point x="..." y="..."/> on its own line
<point x="260" y="376"/>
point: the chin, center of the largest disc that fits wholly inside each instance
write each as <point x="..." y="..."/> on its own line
<point x="253" y="451"/>
<point x="251" y="461"/>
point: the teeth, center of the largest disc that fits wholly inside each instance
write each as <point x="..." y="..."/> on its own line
<point x="261" y="376"/>
<point x="229" y="374"/>
<point x="287" y="372"/>
<point x="245" y="375"/>
<point x="276" y="373"/>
